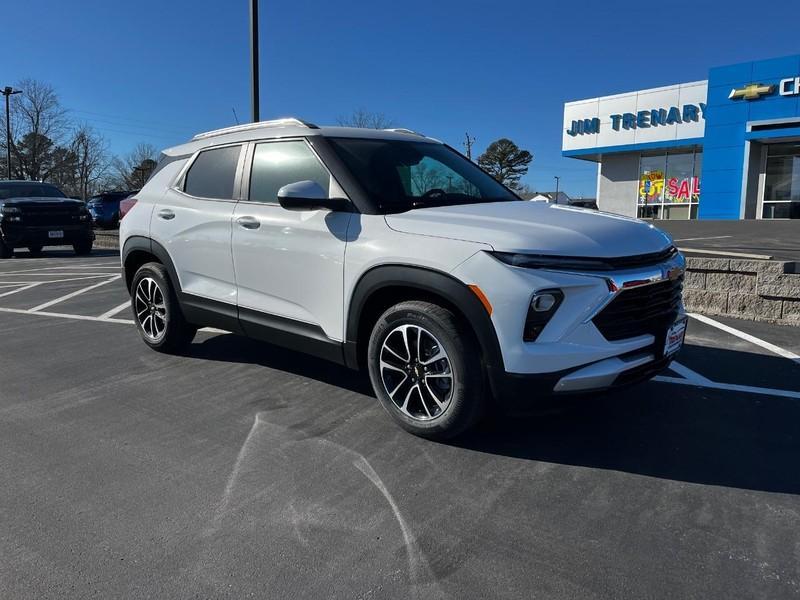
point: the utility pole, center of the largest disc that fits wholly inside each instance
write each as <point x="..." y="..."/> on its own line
<point x="558" y="179"/>
<point x="254" y="91"/>
<point x="468" y="145"/>
<point x="8" y="92"/>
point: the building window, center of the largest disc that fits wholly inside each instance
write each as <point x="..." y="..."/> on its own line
<point x="782" y="182"/>
<point x="669" y="185"/>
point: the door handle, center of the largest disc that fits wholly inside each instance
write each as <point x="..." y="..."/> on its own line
<point x="248" y="222"/>
<point x="166" y="214"/>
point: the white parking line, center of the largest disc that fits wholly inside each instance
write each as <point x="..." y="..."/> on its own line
<point x="27" y="311"/>
<point x="688" y="374"/>
<point x="115" y="310"/>
<point x="73" y="294"/>
<point x="110" y="270"/>
<point x="21" y="289"/>
<point x="81" y="278"/>
<point x="60" y="274"/>
<point x="20" y="311"/>
<point x="713" y="237"/>
<point x="746" y="336"/>
<point x="731" y="387"/>
<point x="724" y="253"/>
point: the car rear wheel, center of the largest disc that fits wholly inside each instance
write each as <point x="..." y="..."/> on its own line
<point x="156" y="310"/>
<point x="425" y="368"/>
<point x="82" y="248"/>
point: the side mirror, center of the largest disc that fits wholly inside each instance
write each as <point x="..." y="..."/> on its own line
<point x="309" y="195"/>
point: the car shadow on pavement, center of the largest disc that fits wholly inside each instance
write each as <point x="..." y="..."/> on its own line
<point x="679" y="432"/>
<point x="238" y="349"/>
<point x="670" y="431"/>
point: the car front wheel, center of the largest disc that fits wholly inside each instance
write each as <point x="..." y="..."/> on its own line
<point x="425" y="368"/>
<point x="156" y="310"/>
<point x="6" y="251"/>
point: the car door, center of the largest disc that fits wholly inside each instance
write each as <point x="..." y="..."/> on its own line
<point x="289" y="264"/>
<point x="192" y="221"/>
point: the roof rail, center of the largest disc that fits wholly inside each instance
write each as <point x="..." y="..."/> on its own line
<point x="404" y="130"/>
<point x="288" y="122"/>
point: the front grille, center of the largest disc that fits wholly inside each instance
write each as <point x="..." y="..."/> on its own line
<point x="49" y="217"/>
<point x="642" y="260"/>
<point x="646" y="309"/>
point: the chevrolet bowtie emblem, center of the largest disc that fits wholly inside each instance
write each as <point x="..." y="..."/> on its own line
<point x="751" y="91"/>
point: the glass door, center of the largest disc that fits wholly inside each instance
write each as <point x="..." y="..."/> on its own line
<point x="782" y="182"/>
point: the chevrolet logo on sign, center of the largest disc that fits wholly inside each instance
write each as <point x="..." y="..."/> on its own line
<point x="751" y="91"/>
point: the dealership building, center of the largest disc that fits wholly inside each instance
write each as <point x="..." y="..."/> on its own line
<point x="724" y="148"/>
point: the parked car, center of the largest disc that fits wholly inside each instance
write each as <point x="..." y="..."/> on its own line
<point x="34" y="215"/>
<point x="390" y="251"/>
<point x="104" y="208"/>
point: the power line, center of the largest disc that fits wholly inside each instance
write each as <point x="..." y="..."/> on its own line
<point x="131" y="120"/>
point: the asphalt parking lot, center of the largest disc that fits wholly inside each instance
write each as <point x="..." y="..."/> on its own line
<point x="243" y="470"/>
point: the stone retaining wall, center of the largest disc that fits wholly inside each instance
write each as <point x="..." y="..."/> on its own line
<point x="106" y="240"/>
<point x="746" y="289"/>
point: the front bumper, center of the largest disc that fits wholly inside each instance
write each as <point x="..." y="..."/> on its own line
<point x="22" y="236"/>
<point x="521" y="393"/>
<point x="571" y="355"/>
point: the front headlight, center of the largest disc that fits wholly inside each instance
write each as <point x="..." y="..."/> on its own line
<point x="544" y="261"/>
<point x="585" y="263"/>
<point x="10" y="213"/>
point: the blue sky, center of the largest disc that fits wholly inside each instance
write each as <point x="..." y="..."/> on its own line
<point x="159" y="71"/>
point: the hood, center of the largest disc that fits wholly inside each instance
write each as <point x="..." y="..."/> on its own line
<point x="535" y="228"/>
<point x="36" y="201"/>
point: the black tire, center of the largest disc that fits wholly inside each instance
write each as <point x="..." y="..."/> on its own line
<point x="6" y="251"/>
<point x="36" y="249"/>
<point x="83" y="247"/>
<point x="463" y="396"/>
<point x="177" y="332"/>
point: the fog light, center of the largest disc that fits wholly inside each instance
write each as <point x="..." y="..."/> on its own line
<point x="544" y="305"/>
<point x="543" y="302"/>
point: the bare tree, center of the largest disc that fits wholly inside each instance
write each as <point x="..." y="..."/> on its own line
<point x="41" y="123"/>
<point x="91" y="159"/>
<point x="130" y="172"/>
<point x="366" y="119"/>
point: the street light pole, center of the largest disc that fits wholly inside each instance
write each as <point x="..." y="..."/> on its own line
<point x="558" y="179"/>
<point x="8" y="92"/>
<point x="254" y="92"/>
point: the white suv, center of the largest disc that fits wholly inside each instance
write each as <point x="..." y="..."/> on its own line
<point x="390" y="251"/>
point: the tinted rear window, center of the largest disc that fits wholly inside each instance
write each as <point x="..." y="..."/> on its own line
<point x="213" y="172"/>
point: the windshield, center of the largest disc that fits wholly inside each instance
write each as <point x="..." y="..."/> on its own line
<point x="29" y="190"/>
<point x="403" y="175"/>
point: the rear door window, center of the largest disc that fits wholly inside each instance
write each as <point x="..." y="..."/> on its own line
<point x="213" y="173"/>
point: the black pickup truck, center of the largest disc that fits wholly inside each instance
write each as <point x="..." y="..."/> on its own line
<point x="34" y="214"/>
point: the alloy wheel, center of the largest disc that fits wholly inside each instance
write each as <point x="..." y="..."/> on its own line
<point x="150" y="308"/>
<point x="416" y="372"/>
